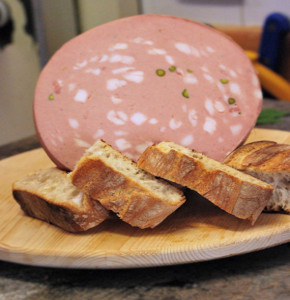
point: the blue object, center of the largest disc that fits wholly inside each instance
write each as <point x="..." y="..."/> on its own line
<point x="275" y="28"/>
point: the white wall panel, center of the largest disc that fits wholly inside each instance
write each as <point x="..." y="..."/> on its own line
<point x="223" y="12"/>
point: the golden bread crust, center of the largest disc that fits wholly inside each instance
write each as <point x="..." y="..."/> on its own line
<point x="239" y="197"/>
<point x="270" y="162"/>
<point x="132" y="201"/>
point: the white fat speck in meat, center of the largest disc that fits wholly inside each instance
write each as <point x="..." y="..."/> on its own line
<point x="153" y="121"/>
<point x="104" y="58"/>
<point x="190" y="79"/>
<point x="116" y="100"/>
<point x="220" y="140"/>
<point x="117" y="117"/>
<point x="80" y="65"/>
<point x="209" y="125"/>
<point x="208" y="78"/>
<point x="173" y="124"/>
<point x="138" y="118"/>
<point x="182" y="47"/>
<point x="203" y="53"/>
<point x="194" y="51"/>
<point x="162" y="129"/>
<point x="205" y="69"/>
<point x="94" y="58"/>
<point x="209" y="49"/>
<point x="114" y="83"/>
<point x="233" y="73"/>
<point x="187" y="49"/>
<point x="134" y="76"/>
<point x="81" y="143"/>
<point x="122" y="144"/>
<point x="187" y="140"/>
<point x="223" y="67"/>
<point x="156" y="51"/>
<point x="125" y="59"/>
<point x="73" y="123"/>
<point x="209" y="106"/>
<point x="81" y="96"/>
<point x="99" y="133"/>
<point x="192" y="117"/>
<point x="116" y="58"/>
<point x="96" y="71"/>
<point x="255" y="80"/>
<point x="235" y="88"/>
<point x="119" y="46"/>
<point x="120" y="133"/>
<point x="169" y="59"/>
<point x="258" y="93"/>
<point x="122" y="70"/>
<point x="235" y="129"/>
<point x="140" y="40"/>
<point x="219" y="106"/>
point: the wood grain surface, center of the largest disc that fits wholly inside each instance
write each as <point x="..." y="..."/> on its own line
<point x="198" y="231"/>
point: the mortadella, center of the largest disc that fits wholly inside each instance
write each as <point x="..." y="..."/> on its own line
<point x="144" y="79"/>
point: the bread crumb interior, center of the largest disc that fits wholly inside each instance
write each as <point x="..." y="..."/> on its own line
<point x="54" y="185"/>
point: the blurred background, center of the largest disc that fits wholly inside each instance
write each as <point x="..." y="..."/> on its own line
<point x="32" y="30"/>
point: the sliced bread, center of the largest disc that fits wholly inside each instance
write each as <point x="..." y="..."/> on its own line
<point x="235" y="192"/>
<point x="49" y="195"/>
<point x="137" y="197"/>
<point x="269" y="162"/>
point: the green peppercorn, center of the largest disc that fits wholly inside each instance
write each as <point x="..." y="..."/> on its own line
<point x="231" y="100"/>
<point x="224" y="81"/>
<point x="172" y="69"/>
<point x="51" y="96"/>
<point x="160" y="72"/>
<point x="185" y="93"/>
<point x="189" y="70"/>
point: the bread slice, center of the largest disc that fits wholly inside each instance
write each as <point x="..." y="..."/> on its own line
<point x="269" y="162"/>
<point x="137" y="197"/>
<point x="49" y="195"/>
<point x="235" y="192"/>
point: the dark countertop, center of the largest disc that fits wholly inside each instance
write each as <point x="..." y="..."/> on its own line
<point x="263" y="274"/>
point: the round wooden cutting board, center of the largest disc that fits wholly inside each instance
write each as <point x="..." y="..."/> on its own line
<point x="198" y="231"/>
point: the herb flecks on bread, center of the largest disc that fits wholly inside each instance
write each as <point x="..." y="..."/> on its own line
<point x="235" y="192"/>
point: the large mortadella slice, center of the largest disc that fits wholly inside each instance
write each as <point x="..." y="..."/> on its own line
<point x="144" y="79"/>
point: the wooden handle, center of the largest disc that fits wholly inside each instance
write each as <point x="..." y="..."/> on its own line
<point x="272" y="82"/>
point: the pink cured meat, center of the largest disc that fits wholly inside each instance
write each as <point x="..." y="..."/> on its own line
<point x="144" y="79"/>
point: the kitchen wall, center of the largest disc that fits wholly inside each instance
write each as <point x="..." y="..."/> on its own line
<point x="225" y="12"/>
<point x="19" y="68"/>
<point x="20" y="62"/>
<point x="93" y="13"/>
